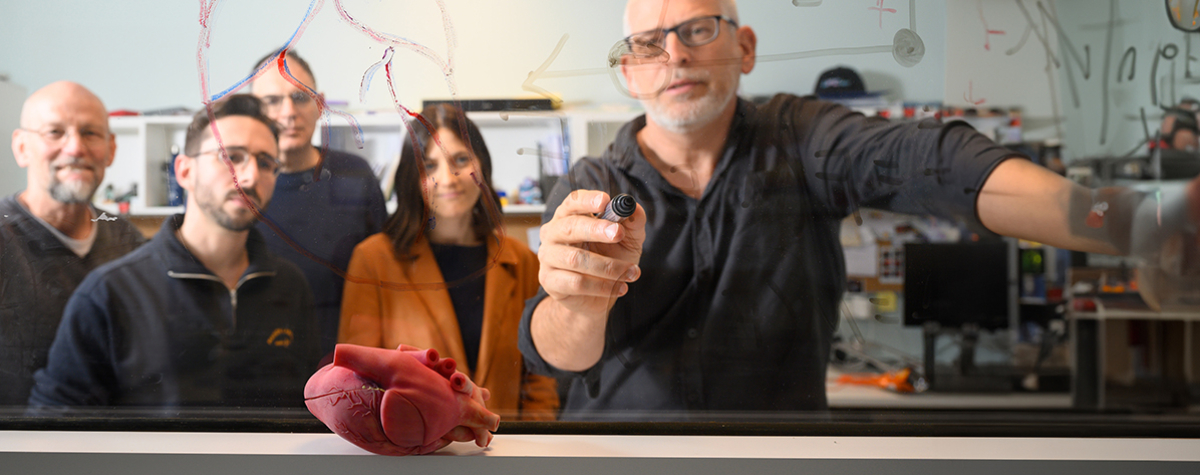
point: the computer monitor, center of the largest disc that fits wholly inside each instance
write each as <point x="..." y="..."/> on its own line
<point x="1179" y="165"/>
<point x="956" y="284"/>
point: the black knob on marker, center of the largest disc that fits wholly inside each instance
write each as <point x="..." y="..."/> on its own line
<point x="623" y="205"/>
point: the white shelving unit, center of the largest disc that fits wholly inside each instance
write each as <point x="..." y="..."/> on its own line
<point x="515" y="140"/>
<point x="143" y="149"/>
<point x="525" y="209"/>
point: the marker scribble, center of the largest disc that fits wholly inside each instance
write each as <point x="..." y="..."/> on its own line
<point x="987" y="31"/>
<point x="969" y="96"/>
<point x="879" y="7"/>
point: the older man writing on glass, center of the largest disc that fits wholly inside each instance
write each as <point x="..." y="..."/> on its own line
<point x="719" y="295"/>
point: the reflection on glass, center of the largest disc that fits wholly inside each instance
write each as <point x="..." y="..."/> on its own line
<point x="639" y="72"/>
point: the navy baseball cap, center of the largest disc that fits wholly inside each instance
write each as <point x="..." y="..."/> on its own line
<point x="841" y="83"/>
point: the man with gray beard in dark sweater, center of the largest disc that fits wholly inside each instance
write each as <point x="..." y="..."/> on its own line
<point x="50" y="234"/>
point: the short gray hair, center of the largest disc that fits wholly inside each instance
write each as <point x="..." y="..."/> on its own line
<point x="728" y="8"/>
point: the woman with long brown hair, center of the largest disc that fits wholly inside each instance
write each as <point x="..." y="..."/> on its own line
<point x="443" y="233"/>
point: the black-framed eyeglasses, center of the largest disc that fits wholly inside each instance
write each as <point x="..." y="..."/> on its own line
<point x="239" y="157"/>
<point x="695" y="32"/>
<point x="298" y="98"/>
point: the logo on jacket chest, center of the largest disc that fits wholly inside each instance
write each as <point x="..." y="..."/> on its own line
<point x="281" y="337"/>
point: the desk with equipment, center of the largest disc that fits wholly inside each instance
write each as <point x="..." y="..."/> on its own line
<point x="1126" y="353"/>
<point x="964" y="295"/>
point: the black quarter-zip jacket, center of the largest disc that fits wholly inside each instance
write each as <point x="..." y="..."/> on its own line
<point x="157" y="328"/>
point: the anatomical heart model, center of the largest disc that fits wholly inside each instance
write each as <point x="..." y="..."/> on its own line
<point x="399" y="402"/>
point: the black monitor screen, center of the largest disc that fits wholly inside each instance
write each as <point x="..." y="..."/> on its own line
<point x="954" y="284"/>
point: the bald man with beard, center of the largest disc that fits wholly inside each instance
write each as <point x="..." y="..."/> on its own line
<point x="50" y="234"/>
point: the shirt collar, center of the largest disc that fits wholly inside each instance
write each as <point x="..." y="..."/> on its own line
<point x="627" y="154"/>
<point x="30" y="224"/>
<point x="181" y="260"/>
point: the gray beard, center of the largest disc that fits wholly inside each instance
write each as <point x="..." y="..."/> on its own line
<point x="705" y="111"/>
<point x="72" y="193"/>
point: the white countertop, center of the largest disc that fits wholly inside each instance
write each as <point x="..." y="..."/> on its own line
<point x="589" y="446"/>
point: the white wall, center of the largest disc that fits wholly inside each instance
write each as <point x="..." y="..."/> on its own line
<point x="141" y="54"/>
<point x="995" y="61"/>
<point x="12" y="177"/>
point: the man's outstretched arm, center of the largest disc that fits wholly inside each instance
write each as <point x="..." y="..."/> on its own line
<point x="1023" y="200"/>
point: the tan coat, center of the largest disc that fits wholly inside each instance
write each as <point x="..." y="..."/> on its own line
<point x="373" y="315"/>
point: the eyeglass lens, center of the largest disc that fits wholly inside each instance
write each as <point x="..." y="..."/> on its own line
<point x="298" y="98"/>
<point x="265" y="163"/>
<point x="642" y="56"/>
<point x="697" y="32"/>
<point x="58" y="135"/>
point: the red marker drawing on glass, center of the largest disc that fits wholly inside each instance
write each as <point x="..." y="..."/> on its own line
<point x="1095" y="218"/>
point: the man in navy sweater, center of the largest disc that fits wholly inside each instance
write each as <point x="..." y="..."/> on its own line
<point x="203" y="314"/>
<point x="325" y="202"/>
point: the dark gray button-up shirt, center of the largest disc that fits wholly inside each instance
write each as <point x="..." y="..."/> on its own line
<point x="737" y="302"/>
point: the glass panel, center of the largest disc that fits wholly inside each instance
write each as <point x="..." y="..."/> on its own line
<point x="873" y="217"/>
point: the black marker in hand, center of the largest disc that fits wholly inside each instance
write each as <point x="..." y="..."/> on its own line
<point x="620" y="207"/>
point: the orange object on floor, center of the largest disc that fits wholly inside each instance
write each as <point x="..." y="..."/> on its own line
<point x="900" y="381"/>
